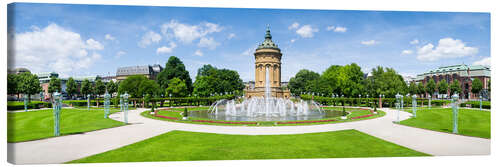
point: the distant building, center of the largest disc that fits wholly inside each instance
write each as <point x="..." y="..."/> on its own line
<point x="18" y="70"/>
<point x="465" y="74"/>
<point x="408" y="79"/>
<point x="149" y="71"/>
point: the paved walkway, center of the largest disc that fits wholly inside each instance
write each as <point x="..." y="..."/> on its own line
<point x="67" y="148"/>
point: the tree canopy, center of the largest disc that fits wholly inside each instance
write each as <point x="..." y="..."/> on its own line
<point x="112" y="87"/>
<point x="430" y="87"/>
<point x="301" y="82"/>
<point x="71" y="87"/>
<point x="131" y="85"/>
<point x="455" y="87"/>
<point x="177" y="88"/>
<point x="12" y="84"/>
<point x="54" y="85"/>
<point x="477" y="86"/>
<point x="174" y="68"/>
<point x="212" y="80"/>
<point x="443" y="87"/>
<point x="385" y="81"/>
<point x="86" y="87"/>
<point x="28" y="83"/>
<point x="99" y="87"/>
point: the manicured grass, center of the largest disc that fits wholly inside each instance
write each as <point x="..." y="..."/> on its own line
<point x="190" y="146"/>
<point x="471" y="122"/>
<point x="33" y="125"/>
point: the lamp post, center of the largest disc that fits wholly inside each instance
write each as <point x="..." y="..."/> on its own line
<point x="170" y="99"/>
<point x="455" y="113"/>
<point x="480" y="102"/>
<point x="106" y="104"/>
<point x="88" y="102"/>
<point x="57" y="112"/>
<point x="125" y="107"/>
<point x="414" y="103"/>
<point x="25" y="102"/>
<point x="398" y="105"/>
<point x="429" y="104"/>
<point x="121" y="103"/>
<point x="41" y="96"/>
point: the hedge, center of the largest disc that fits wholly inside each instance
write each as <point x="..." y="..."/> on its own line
<point x="475" y="104"/>
<point x="17" y="105"/>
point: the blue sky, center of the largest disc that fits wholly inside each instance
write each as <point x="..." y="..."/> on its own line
<point x="82" y="40"/>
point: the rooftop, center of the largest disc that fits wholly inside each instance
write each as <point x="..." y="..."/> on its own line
<point x="268" y="42"/>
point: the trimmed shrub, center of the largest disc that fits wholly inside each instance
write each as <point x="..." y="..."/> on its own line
<point x="475" y="104"/>
<point x="17" y="105"/>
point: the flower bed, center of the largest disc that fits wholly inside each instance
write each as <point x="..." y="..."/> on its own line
<point x="161" y="116"/>
<point x="299" y="122"/>
<point x="363" y="116"/>
<point x="224" y="122"/>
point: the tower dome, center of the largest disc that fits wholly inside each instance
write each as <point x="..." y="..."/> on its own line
<point x="268" y="42"/>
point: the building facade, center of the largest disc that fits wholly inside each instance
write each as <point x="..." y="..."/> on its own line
<point x="464" y="74"/>
<point x="267" y="70"/>
<point x="149" y="71"/>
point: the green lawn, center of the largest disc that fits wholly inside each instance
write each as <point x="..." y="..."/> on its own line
<point x="471" y="122"/>
<point x="33" y="125"/>
<point x="190" y="146"/>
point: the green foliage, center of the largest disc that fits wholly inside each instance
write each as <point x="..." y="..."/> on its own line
<point x="54" y="85"/>
<point x="99" y="87"/>
<point x="212" y="80"/>
<point x="174" y="68"/>
<point x="420" y="88"/>
<point x="443" y="87"/>
<point x="185" y="113"/>
<point x="455" y="87"/>
<point x="413" y="89"/>
<point x="28" y="83"/>
<point x="430" y="87"/>
<point x="132" y="86"/>
<point x="177" y="88"/>
<point x="112" y="87"/>
<point x="476" y="104"/>
<point x="477" y="86"/>
<point x="86" y="87"/>
<point x="149" y="87"/>
<point x="301" y="81"/>
<point x="12" y="84"/>
<point x="387" y="82"/>
<point x="71" y="87"/>
<point x="16" y="105"/>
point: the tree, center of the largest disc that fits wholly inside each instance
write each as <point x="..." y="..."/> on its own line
<point x="455" y="87"/>
<point x="86" y="88"/>
<point x="297" y="84"/>
<point x="430" y="87"/>
<point x="443" y="87"/>
<point x="54" y="85"/>
<point x="413" y="89"/>
<point x="99" y="87"/>
<point x="111" y="87"/>
<point x="71" y="88"/>
<point x="477" y="86"/>
<point x="174" y="68"/>
<point x="385" y="81"/>
<point x="131" y="85"/>
<point x="212" y="80"/>
<point x="421" y="89"/>
<point x="149" y="87"/>
<point x="12" y="84"/>
<point x="29" y="84"/>
<point x="177" y="88"/>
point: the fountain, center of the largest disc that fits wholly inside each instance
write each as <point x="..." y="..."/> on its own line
<point x="265" y="108"/>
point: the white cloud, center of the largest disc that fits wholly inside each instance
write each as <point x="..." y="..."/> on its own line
<point x="209" y="43"/>
<point x="447" y="48"/>
<point x="306" y="31"/>
<point x="187" y="33"/>
<point x="109" y="37"/>
<point x="120" y="54"/>
<point x="370" y="42"/>
<point x="406" y="52"/>
<point x="231" y="36"/>
<point x="53" y="48"/>
<point x="247" y="52"/>
<point x="94" y="45"/>
<point x="414" y="42"/>
<point x="165" y="49"/>
<point x="485" y="62"/>
<point x="330" y="28"/>
<point x="198" y="53"/>
<point x="149" y="38"/>
<point x="295" y="25"/>
<point x="340" y="29"/>
<point x="293" y="40"/>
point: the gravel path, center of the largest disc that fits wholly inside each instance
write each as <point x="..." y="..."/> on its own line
<point x="66" y="148"/>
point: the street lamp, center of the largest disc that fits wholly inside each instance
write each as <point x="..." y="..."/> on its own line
<point x="125" y="108"/>
<point x="455" y="112"/>
<point x="25" y="102"/>
<point x="88" y="102"/>
<point x="57" y="113"/>
<point x="480" y="102"/>
<point x="106" y="104"/>
<point x="398" y="105"/>
<point x="414" y="103"/>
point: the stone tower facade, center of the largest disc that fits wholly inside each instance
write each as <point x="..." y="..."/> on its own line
<point x="268" y="60"/>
